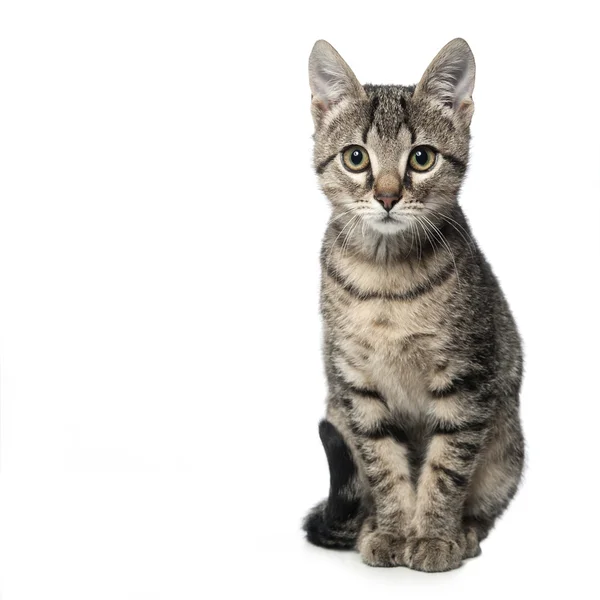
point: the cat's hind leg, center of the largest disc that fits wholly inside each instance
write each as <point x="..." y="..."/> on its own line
<point x="336" y="521"/>
<point x="494" y="482"/>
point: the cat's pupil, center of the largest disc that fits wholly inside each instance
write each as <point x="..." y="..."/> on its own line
<point x="421" y="157"/>
<point x="356" y="157"/>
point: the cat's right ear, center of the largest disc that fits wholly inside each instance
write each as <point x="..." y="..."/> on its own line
<point x="331" y="80"/>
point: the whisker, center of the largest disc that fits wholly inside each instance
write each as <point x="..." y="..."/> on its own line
<point x="420" y="253"/>
<point x="338" y="237"/>
<point x="412" y="236"/>
<point x="447" y="245"/>
<point x="336" y="217"/>
<point x="464" y="233"/>
<point x="425" y="230"/>
<point x="350" y="232"/>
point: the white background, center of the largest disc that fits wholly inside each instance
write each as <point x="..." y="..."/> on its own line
<point x="161" y="380"/>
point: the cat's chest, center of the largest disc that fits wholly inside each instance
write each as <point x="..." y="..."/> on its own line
<point x="394" y="346"/>
<point x="389" y="322"/>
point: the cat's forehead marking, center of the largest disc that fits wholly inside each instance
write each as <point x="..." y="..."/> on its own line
<point x="388" y="129"/>
<point x="389" y="109"/>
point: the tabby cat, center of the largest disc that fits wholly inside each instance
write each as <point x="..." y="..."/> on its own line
<point x="422" y="355"/>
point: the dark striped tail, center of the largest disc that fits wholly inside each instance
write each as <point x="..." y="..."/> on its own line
<point x="335" y="522"/>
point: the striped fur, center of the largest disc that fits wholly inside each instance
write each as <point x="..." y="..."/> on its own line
<point x="422" y="355"/>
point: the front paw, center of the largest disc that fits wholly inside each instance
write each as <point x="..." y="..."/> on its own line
<point x="433" y="554"/>
<point x="380" y="548"/>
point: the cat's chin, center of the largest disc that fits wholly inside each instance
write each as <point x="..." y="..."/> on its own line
<point x="389" y="226"/>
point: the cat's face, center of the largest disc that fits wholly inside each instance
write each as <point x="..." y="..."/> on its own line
<point x="393" y="157"/>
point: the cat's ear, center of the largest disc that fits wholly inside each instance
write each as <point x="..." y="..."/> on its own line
<point x="331" y="79"/>
<point x="450" y="79"/>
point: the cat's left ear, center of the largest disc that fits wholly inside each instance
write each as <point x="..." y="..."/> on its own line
<point x="331" y="80"/>
<point x="449" y="80"/>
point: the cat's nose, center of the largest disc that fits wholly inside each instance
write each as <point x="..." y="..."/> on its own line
<point x="388" y="190"/>
<point x="388" y="201"/>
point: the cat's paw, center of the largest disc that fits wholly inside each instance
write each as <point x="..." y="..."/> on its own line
<point x="433" y="554"/>
<point x="379" y="548"/>
<point x="471" y="543"/>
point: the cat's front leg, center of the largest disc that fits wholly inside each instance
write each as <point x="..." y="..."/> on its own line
<point x="382" y="450"/>
<point x="437" y="541"/>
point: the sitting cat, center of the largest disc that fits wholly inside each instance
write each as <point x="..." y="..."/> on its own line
<point x="422" y="355"/>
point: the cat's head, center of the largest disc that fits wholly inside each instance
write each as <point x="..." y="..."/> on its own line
<point x="394" y="155"/>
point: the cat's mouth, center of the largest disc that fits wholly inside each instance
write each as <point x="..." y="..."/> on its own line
<point x="389" y="224"/>
<point x="392" y="220"/>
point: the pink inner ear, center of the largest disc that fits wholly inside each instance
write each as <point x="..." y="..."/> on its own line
<point x="320" y="104"/>
<point x="466" y="104"/>
<point x="466" y="108"/>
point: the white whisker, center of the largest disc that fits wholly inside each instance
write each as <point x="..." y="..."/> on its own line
<point x="464" y="233"/>
<point x="338" y="237"/>
<point x="350" y="232"/>
<point x="336" y="217"/>
<point x="447" y="246"/>
<point x="425" y="230"/>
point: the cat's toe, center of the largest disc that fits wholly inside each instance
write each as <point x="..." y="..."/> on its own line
<point x="433" y="554"/>
<point x="381" y="549"/>
<point x="472" y="548"/>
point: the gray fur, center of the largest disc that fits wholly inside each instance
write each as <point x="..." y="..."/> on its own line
<point x="422" y="355"/>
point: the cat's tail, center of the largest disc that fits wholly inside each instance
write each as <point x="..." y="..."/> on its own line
<point x="335" y="522"/>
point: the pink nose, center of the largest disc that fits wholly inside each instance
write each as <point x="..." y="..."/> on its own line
<point x="388" y="201"/>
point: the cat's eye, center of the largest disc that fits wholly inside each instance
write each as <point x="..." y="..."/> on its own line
<point x="355" y="158"/>
<point x="422" y="158"/>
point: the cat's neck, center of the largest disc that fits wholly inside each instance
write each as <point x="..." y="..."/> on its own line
<point x="416" y="246"/>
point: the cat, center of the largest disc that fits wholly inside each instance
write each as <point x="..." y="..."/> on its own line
<point x="422" y="356"/>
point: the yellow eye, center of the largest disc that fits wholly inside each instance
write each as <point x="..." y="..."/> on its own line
<point x="356" y="159"/>
<point x="422" y="158"/>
